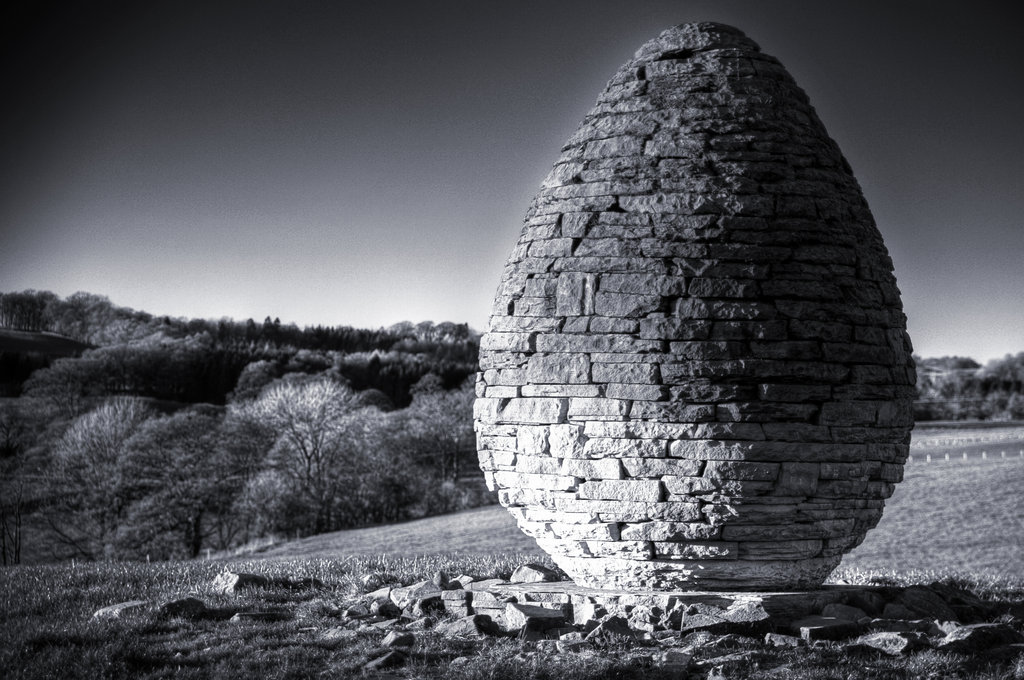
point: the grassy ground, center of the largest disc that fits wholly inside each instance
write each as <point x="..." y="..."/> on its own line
<point x="964" y="513"/>
<point x="49" y="631"/>
<point x="478" y="531"/>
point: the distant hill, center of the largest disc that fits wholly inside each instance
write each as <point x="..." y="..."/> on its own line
<point x="23" y="352"/>
<point x="45" y="344"/>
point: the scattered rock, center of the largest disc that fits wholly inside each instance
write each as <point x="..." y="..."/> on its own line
<point x="814" y="628"/>
<point x="780" y="640"/>
<point x="673" y="661"/>
<point x="843" y="611"/>
<point x="978" y="637"/>
<point x="261" y="617"/>
<point x="229" y="582"/>
<point x="926" y="603"/>
<point x="425" y="623"/>
<point x="719" y="661"/>
<point x="895" y="610"/>
<point x="457" y="602"/>
<point x="463" y="580"/>
<point x="475" y="625"/>
<point x="371" y="581"/>
<point x="531" y="617"/>
<point x="357" y="610"/>
<point x="587" y="611"/>
<point x="391" y="659"/>
<point x="610" y="631"/>
<point x="386" y="624"/>
<point x="426" y="606"/>
<point x="486" y="584"/>
<point x="403" y="597"/>
<point x="534" y="573"/>
<point x="382" y="593"/>
<point x="338" y="634"/>
<point x="904" y="626"/>
<point x="646" y="618"/>
<point x="744" y="617"/>
<point x="385" y="608"/>
<point x="868" y="600"/>
<point x="968" y="607"/>
<point x="186" y="608"/>
<point x="398" y="639"/>
<point x="440" y="579"/>
<point x="892" y="643"/>
<point x="116" y="611"/>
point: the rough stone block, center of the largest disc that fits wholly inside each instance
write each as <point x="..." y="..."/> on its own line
<point x="623" y="490"/>
<point x="558" y="368"/>
<point x="655" y="468"/>
<point x="534" y="410"/>
<point x="601" y="468"/>
<point x="597" y="407"/>
<point x="624" y="448"/>
<point x="574" y="294"/>
<point x="670" y="531"/>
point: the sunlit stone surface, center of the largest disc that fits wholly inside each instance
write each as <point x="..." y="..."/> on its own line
<point x="697" y="374"/>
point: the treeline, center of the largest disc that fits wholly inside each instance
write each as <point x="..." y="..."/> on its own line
<point x="959" y="388"/>
<point x="168" y="437"/>
<point x="95" y="320"/>
<point x="200" y="360"/>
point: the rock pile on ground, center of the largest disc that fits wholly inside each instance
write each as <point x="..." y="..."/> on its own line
<point x="679" y="633"/>
<point x="859" y="620"/>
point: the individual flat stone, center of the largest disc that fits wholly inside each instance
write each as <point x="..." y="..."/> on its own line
<point x="523" y="616"/>
<point x="892" y="643"/>
<point x="476" y="625"/>
<point x="186" y="608"/>
<point x="534" y="573"/>
<point x="409" y="595"/>
<point x="812" y="628"/>
<point x="398" y="639"/>
<point x="116" y="611"/>
<point x="392" y="659"/>
<point x="978" y="637"/>
<point x="229" y="582"/>
<point x="611" y="630"/>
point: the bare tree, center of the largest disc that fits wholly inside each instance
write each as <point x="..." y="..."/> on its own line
<point x="317" y="445"/>
<point x="86" y="477"/>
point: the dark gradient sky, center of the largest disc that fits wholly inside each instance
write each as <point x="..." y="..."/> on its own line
<point x="324" y="164"/>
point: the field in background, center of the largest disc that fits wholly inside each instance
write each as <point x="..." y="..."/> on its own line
<point x="962" y="515"/>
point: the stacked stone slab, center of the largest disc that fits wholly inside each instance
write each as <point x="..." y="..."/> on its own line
<point x="697" y="374"/>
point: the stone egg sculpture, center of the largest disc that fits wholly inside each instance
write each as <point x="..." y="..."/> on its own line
<point x="696" y="374"/>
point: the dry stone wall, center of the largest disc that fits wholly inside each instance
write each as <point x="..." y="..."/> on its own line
<point x="696" y="373"/>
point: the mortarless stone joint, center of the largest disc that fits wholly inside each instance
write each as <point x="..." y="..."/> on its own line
<point x="697" y="374"/>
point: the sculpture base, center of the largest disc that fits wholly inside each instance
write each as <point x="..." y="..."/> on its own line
<point x="605" y="573"/>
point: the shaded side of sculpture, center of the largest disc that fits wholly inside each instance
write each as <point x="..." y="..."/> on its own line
<point x="697" y="373"/>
